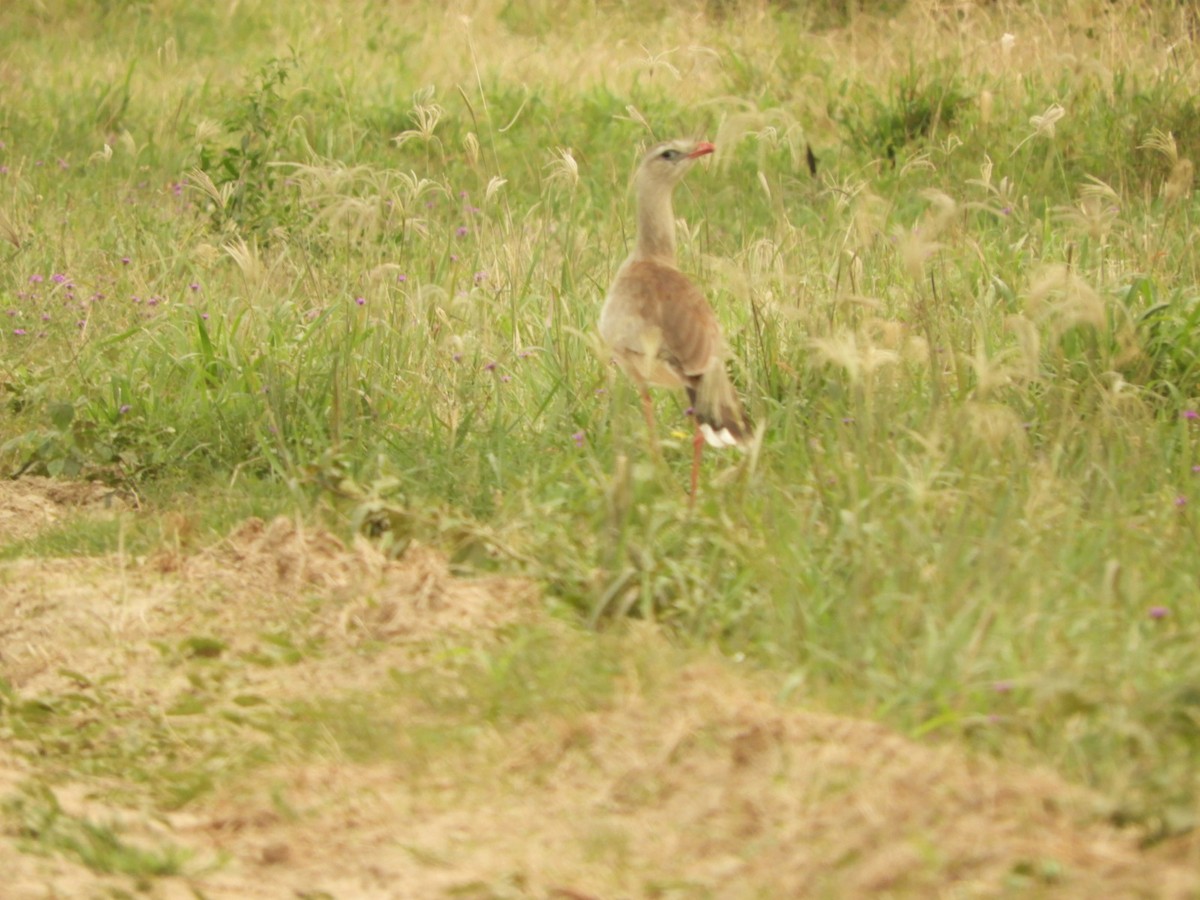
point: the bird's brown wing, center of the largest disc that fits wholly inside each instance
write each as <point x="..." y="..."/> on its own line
<point x="663" y="298"/>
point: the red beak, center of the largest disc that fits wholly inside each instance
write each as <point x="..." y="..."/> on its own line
<point x="702" y="149"/>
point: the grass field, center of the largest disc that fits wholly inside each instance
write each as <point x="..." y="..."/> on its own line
<point x="343" y="262"/>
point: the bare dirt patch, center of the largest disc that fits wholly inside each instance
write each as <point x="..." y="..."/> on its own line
<point x="689" y="781"/>
<point x="32" y="504"/>
<point x="95" y="616"/>
<point x="701" y="787"/>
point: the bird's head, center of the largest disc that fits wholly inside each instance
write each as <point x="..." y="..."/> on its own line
<point x="666" y="163"/>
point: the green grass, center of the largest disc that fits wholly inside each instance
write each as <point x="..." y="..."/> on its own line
<point x="448" y="706"/>
<point x="971" y="337"/>
<point x="166" y="513"/>
<point x="44" y="826"/>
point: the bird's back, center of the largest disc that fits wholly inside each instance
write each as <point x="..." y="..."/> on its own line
<point x="650" y="298"/>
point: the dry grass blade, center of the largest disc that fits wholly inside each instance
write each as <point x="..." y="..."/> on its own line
<point x="248" y="260"/>
<point x="563" y="169"/>
<point x="200" y="181"/>
<point x="9" y="230"/>
<point x="426" y="114"/>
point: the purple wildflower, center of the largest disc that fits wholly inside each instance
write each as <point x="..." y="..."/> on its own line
<point x="400" y="279"/>
<point x="578" y="437"/>
<point x="360" y="300"/>
<point x="1159" y="612"/>
<point x="19" y="332"/>
<point x="195" y="286"/>
<point x="1181" y="501"/>
<point x="36" y="279"/>
<point x="124" y="408"/>
<point x="1191" y="414"/>
<point x="461" y="231"/>
<point x="124" y="260"/>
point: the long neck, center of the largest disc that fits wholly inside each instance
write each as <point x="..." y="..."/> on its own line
<point x="655" y="223"/>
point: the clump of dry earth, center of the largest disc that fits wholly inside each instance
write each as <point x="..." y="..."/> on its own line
<point x="691" y="781"/>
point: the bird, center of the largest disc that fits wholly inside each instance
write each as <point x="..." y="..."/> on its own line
<point x="658" y="324"/>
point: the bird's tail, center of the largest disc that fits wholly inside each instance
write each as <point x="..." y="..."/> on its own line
<point x="719" y="412"/>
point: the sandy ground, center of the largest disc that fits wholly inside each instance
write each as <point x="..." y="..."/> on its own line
<point x="690" y="781"/>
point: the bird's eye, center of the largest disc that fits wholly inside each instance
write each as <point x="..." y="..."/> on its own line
<point x="670" y="154"/>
